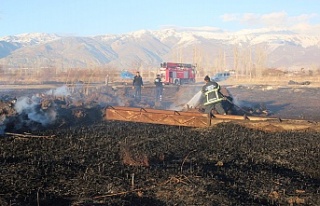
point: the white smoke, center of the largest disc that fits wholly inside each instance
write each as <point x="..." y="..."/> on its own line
<point x="42" y="117"/>
<point x="24" y="104"/>
<point x="32" y="108"/>
<point x="60" y="91"/>
<point x="192" y="103"/>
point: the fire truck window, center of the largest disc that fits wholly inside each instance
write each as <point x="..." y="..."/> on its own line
<point x="170" y="74"/>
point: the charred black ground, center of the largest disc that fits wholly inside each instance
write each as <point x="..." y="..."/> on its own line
<point x="82" y="159"/>
<point x="116" y="163"/>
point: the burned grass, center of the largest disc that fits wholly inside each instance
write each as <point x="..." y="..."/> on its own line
<point x="117" y="163"/>
<point x="81" y="160"/>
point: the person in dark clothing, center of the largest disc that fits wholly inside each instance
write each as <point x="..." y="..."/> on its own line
<point x="212" y="97"/>
<point x="137" y="84"/>
<point x="159" y="88"/>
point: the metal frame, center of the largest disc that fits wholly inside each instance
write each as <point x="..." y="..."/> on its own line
<point x="154" y="116"/>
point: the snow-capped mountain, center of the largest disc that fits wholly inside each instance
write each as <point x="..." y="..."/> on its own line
<point x="28" y="39"/>
<point x="207" y="46"/>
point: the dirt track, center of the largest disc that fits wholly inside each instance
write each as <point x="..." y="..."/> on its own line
<point x="83" y="160"/>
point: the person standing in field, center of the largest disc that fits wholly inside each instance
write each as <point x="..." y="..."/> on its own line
<point x="137" y="84"/>
<point x="159" y="87"/>
<point x="213" y="97"/>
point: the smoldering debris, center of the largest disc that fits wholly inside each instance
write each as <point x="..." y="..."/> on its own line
<point x="65" y="105"/>
<point x="35" y="109"/>
<point x="45" y="108"/>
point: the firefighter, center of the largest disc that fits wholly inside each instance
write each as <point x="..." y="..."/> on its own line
<point x="212" y="97"/>
<point x="159" y="87"/>
<point x="137" y="84"/>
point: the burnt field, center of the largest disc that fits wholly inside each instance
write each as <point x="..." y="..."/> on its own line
<point x="62" y="152"/>
<point x="117" y="163"/>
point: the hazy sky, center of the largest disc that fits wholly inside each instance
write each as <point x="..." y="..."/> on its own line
<point x="95" y="17"/>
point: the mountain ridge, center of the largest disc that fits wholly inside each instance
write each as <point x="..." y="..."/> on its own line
<point x="206" y="46"/>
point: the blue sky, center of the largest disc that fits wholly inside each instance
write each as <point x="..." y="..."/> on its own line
<point x="96" y="17"/>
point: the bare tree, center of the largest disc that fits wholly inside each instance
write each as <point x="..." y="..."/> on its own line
<point x="261" y="58"/>
<point x="236" y="60"/>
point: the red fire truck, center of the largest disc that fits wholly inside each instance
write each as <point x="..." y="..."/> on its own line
<point x="177" y="73"/>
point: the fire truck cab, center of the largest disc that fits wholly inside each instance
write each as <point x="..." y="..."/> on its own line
<point x="177" y="73"/>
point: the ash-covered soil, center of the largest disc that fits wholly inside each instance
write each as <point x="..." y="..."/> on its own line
<point x="117" y="163"/>
<point x="57" y="149"/>
<point x="289" y="101"/>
